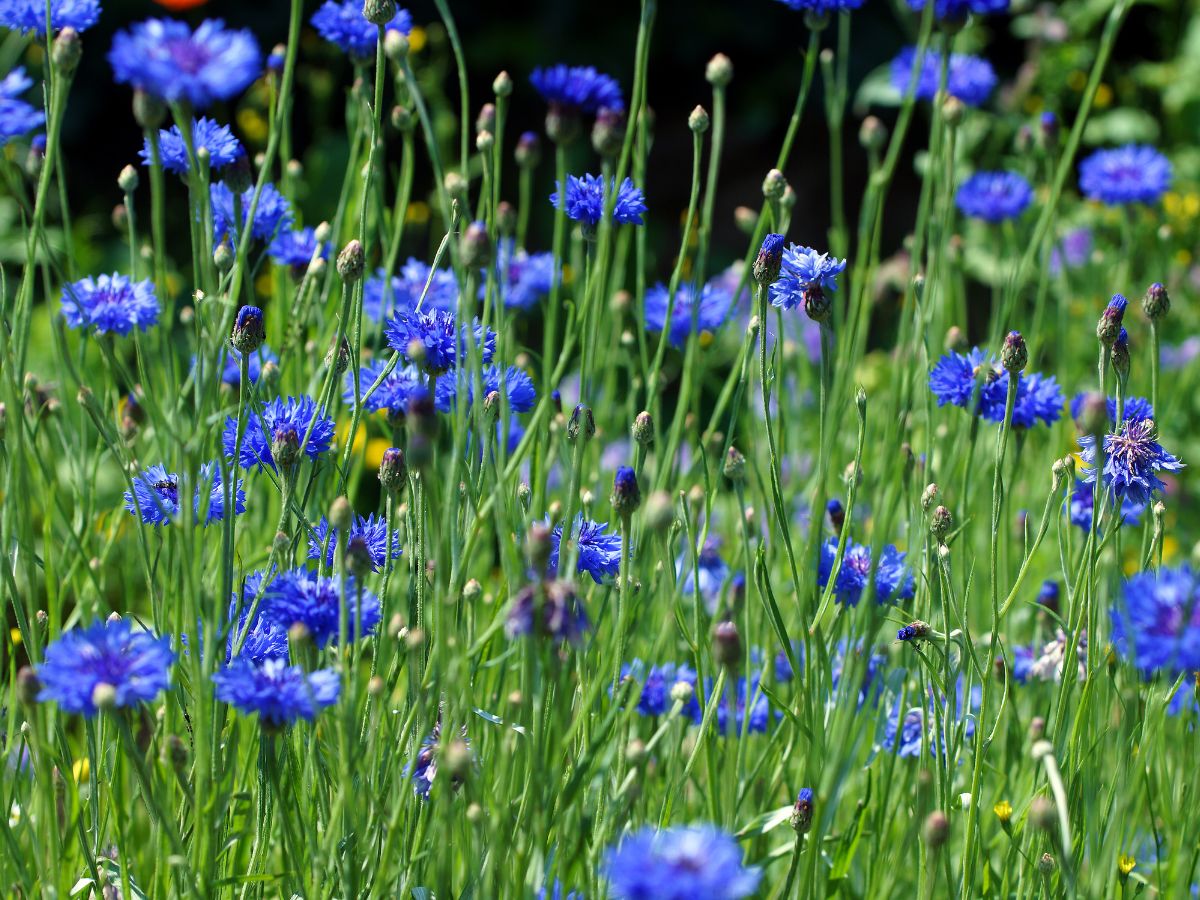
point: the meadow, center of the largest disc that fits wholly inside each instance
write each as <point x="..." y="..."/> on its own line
<point x="445" y="517"/>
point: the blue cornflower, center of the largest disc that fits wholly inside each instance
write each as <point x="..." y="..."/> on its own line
<point x="557" y="892"/>
<point x="753" y="712"/>
<point x="994" y="196"/>
<point x="110" y="304"/>
<point x="168" y="60"/>
<point x="1039" y="399"/>
<point x="585" y="199"/>
<point x="523" y="279"/>
<point x="1135" y="408"/>
<point x="30" y="15"/>
<point x="382" y="296"/>
<point x="281" y="419"/>
<point x="577" y="88"/>
<point x="823" y="6"/>
<point x="372" y="532"/>
<point x="1134" y="173"/>
<point x="395" y="394"/>
<point x="232" y="373"/>
<point x="1132" y="457"/>
<point x="301" y="596"/>
<point x="1083" y="502"/>
<point x="969" y="78"/>
<point x="155" y="495"/>
<point x="805" y="272"/>
<point x="280" y="694"/>
<point x="273" y="214"/>
<point x="953" y="379"/>
<point x="904" y="730"/>
<point x="1073" y="251"/>
<point x="893" y="579"/>
<point x="1046" y="661"/>
<point x="599" y="551"/>
<point x="1022" y="664"/>
<point x="682" y="863"/>
<point x="1156" y="624"/>
<point x="688" y="316"/>
<point x="511" y="382"/>
<point x="135" y="664"/>
<point x="714" y="572"/>
<point x="296" y="249"/>
<point x="345" y="25"/>
<point x="957" y="10"/>
<point x="549" y="609"/>
<point x="223" y="148"/>
<point x="656" y="682"/>
<point x="17" y="118"/>
<point x="436" y="331"/>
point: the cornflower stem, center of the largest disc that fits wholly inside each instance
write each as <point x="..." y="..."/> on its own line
<point x="969" y="853"/>
<point x="1155" y="362"/>
<point x="776" y="487"/>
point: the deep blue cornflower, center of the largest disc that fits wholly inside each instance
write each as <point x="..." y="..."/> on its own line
<point x="681" y="863"/>
<point x="599" y="551"/>
<point x="1073" y="251"/>
<point x="1135" y="408"/>
<point x="1132" y="459"/>
<point x="344" y="24"/>
<point x="585" y="199"/>
<point x="549" y="609"/>
<point x="168" y="60"/>
<point x="994" y="196"/>
<point x="753" y="712"/>
<point x="688" y="316"/>
<point x="513" y="383"/>
<point x="289" y="418"/>
<point x="1134" y="173"/>
<point x="905" y="729"/>
<point x="223" y="148"/>
<point x="110" y="304"/>
<point x="424" y="770"/>
<point x="436" y="331"/>
<point x="383" y="296"/>
<point x="656" y="682"/>
<point x="1156" y="623"/>
<point x="273" y="214"/>
<point x="957" y="10"/>
<point x="155" y="495"/>
<point x="969" y="78"/>
<point x="301" y="596"/>
<point x="135" y="664"/>
<point x="713" y="573"/>
<point x="397" y="391"/>
<point x="1045" y="661"/>
<point x="523" y="279"/>
<point x="953" y="380"/>
<point x="577" y="89"/>
<point x="296" y="249"/>
<point x="29" y="16"/>
<point x="1039" y="399"/>
<point x="17" y="118"/>
<point x="823" y="6"/>
<point x="232" y="373"/>
<point x="893" y="579"/>
<point x="805" y="270"/>
<point x="1022" y="663"/>
<point x="372" y="532"/>
<point x="278" y="693"/>
<point x="1083" y="502"/>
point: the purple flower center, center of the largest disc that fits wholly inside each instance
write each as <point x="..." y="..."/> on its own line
<point x="190" y="56"/>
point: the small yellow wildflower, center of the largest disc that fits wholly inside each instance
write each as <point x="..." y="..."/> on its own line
<point x="1003" y="811"/>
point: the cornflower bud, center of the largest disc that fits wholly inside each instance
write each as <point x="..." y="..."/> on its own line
<point x="770" y="260"/>
<point x="1108" y="329"/>
<point x="379" y="12"/>
<point x="128" y="180"/>
<point x="476" y="246"/>
<point x="248" y="332"/>
<point x="643" y="429"/>
<point x="608" y="133"/>
<point x="502" y="85"/>
<point x="626" y="495"/>
<point x="582" y="421"/>
<point x="393" y="471"/>
<point x="67" y="50"/>
<point x="1156" y="303"/>
<point x="802" y="811"/>
<point x="699" y="120"/>
<point x="660" y="511"/>
<point x="727" y="645"/>
<point x="735" y="465"/>
<point x="719" y="71"/>
<point x="774" y="185"/>
<point x="1014" y="355"/>
<point x="350" y="262"/>
<point x="529" y="150"/>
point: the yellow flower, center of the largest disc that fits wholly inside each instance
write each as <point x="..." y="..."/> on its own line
<point x="1003" y="811"/>
<point x="82" y="769"/>
<point x="416" y="39"/>
<point x="1125" y="864"/>
<point x="14" y="635"/>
